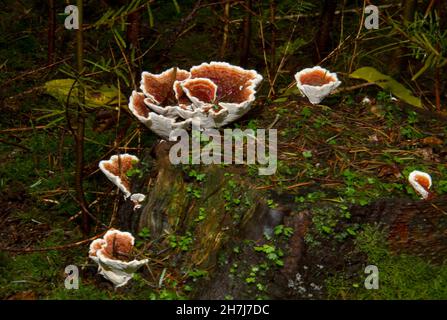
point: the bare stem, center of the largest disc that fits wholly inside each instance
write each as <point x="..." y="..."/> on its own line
<point x="226" y="30"/>
<point x="80" y="130"/>
<point x="437" y="90"/>
<point x="51" y="30"/>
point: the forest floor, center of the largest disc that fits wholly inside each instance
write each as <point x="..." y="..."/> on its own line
<point x="338" y="201"/>
<point x="331" y="158"/>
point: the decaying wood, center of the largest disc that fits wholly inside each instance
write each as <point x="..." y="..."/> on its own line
<point x="413" y="227"/>
<point x="171" y="210"/>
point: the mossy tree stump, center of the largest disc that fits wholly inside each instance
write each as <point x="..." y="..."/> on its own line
<point x="222" y="224"/>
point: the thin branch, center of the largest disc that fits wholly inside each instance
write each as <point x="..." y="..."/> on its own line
<point x="61" y="247"/>
<point x="226" y="29"/>
<point x="36" y="70"/>
<point x="15" y="144"/>
<point x="80" y="130"/>
<point x="359" y="31"/>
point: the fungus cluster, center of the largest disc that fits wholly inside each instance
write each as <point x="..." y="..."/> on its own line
<point x="113" y="255"/>
<point x="209" y="95"/>
<point x="316" y="83"/>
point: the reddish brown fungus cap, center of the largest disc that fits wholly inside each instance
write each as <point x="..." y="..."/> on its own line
<point x="316" y="78"/>
<point x="119" y="245"/>
<point x="116" y="169"/>
<point x="159" y="87"/>
<point x="138" y="105"/>
<point x="200" y="90"/>
<point x="233" y="83"/>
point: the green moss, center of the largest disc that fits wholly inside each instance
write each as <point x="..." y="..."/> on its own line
<point x="85" y="292"/>
<point x="400" y="276"/>
<point x="37" y="271"/>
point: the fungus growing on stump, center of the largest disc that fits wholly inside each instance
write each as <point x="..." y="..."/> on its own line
<point x="116" y="170"/>
<point x="211" y="95"/>
<point x="137" y="199"/>
<point x="316" y="83"/>
<point x="113" y="255"/>
<point x="236" y="87"/>
<point x="233" y="83"/>
<point x="200" y="91"/>
<point x="161" y="120"/>
<point x="159" y="87"/>
<point x="421" y="182"/>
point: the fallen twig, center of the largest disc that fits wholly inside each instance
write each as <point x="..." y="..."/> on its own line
<point x="61" y="247"/>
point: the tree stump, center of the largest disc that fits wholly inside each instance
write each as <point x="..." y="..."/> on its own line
<point x="228" y="219"/>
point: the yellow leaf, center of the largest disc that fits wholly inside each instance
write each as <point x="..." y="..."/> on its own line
<point x="370" y="74"/>
<point x="103" y="96"/>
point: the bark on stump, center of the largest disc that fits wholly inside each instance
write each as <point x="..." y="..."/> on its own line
<point x="413" y="227"/>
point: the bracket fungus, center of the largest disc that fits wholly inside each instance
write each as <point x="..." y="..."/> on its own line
<point x="201" y="91"/>
<point x="158" y="87"/>
<point x="421" y="182"/>
<point x="137" y="199"/>
<point x="316" y="83"/>
<point x="112" y="253"/>
<point x="210" y="95"/>
<point x="116" y="170"/>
